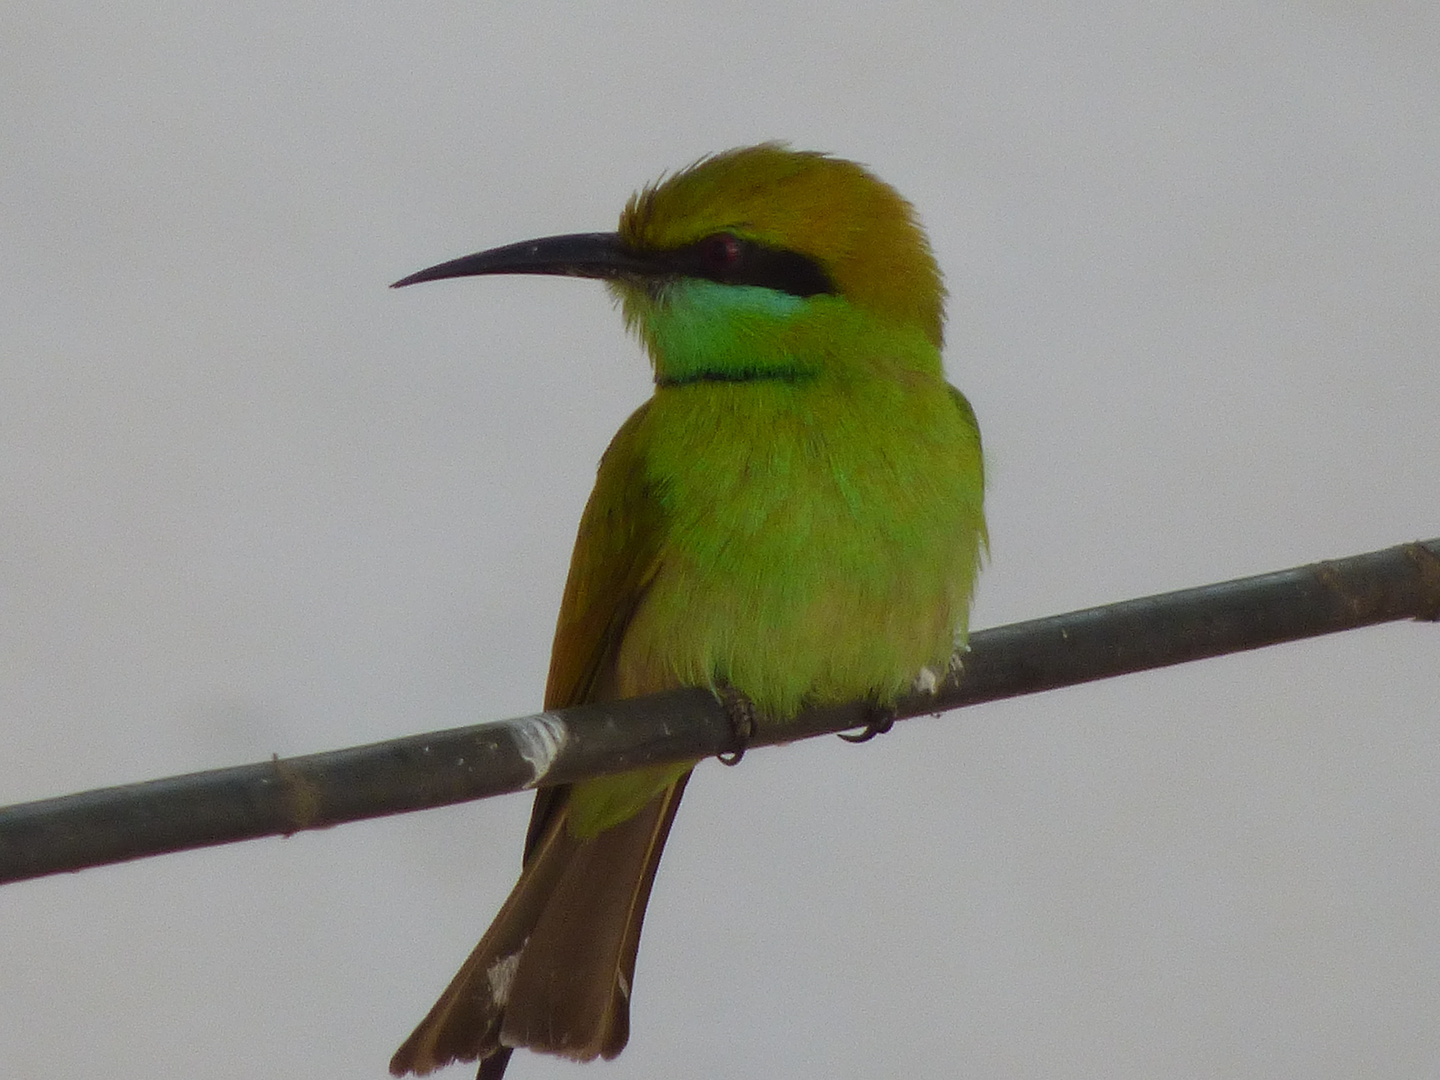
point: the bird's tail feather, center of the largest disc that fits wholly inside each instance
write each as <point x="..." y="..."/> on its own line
<point x="553" y="972"/>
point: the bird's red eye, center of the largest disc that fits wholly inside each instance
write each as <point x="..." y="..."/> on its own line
<point x="720" y="252"/>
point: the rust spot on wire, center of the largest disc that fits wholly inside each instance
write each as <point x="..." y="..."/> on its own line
<point x="301" y="795"/>
<point x="1360" y="603"/>
<point x="1428" y="563"/>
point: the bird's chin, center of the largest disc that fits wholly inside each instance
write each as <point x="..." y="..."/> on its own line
<point x="637" y="294"/>
<point x="659" y="291"/>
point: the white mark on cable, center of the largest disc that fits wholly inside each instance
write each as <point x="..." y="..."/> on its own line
<point x="927" y="682"/>
<point x="500" y="975"/>
<point x="540" y="739"/>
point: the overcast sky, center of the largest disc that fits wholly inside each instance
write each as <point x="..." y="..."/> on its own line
<point x="251" y="502"/>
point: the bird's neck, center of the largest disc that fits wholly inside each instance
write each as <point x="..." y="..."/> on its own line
<point x="700" y="331"/>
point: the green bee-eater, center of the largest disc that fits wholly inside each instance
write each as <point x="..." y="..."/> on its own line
<point x="795" y="516"/>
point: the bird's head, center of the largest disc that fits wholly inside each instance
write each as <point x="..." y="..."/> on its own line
<point x="756" y="262"/>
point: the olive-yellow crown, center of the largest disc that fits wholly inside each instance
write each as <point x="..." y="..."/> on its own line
<point x="854" y="226"/>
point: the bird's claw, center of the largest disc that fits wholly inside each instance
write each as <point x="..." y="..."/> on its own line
<point x="878" y="720"/>
<point x="741" y="711"/>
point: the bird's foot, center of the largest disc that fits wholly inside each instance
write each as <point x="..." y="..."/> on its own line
<point x="878" y="720"/>
<point x="742" y="713"/>
<point x="492" y="1066"/>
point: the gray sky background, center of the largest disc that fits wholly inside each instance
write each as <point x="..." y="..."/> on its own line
<point x="253" y="503"/>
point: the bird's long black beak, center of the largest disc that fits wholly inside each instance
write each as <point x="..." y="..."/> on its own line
<point x="588" y="255"/>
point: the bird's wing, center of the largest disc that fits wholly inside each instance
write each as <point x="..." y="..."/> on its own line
<point x="617" y="554"/>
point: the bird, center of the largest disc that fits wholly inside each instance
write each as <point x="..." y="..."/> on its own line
<point x="793" y="518"/>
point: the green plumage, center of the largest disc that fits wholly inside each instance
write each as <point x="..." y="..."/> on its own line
<point x="816" y="528"/>
<point x="796" y="514"/>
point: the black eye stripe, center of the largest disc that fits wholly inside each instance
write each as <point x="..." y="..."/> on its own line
<point x="750" y="263"/>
